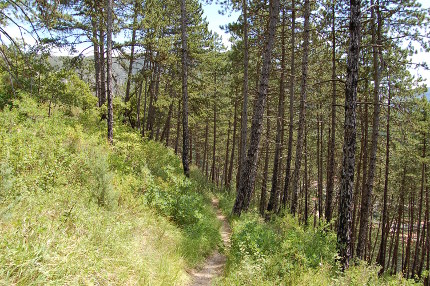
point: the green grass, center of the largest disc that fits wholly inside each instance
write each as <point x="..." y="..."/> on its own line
<point x="76" y="211"/>
<point x="282" y="252"/>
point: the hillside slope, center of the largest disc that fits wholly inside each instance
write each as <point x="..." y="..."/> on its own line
<point x="74" y="210"/>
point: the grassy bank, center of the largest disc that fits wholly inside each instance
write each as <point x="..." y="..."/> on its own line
<point x="74" y="210"/>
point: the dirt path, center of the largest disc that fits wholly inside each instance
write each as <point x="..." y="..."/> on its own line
<point x="214" y="264"/>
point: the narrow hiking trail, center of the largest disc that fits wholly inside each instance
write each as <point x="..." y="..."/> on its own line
<point x="215" y="263"/>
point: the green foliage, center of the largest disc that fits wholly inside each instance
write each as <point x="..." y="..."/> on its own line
<point x="282" y="252"/>
<point x="76" y="211"/>
<point x="253" y="239"/>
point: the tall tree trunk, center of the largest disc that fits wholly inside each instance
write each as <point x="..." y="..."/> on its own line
<point x="306" y="184"/>
<point x="185" y="139"/>
<point x="302" y="112"/>
<point x="146" y="66"/>
<point x="244" y="117"/>
<point x="227" y="150"/>
<point x="96" y="61"/>
<point x="131" y="61"/>
<point x="423" y="247"/>
<point x="399" y="223"/>
<point x="357" y="188"/>
<point x="427" y="279"/>
<point x="109" y="69"/>
<point x="102" y="67"/>
<point x="214" y="143"/>
<point x="365" y="131"/>
<point x="332" y="140"/>
<point x="406" y="265"/>
<point x="274" y="192"/>
<point x="291" y="106"/>
<point x="178" y="127"/>
<point x="230" y="170"/>
<point x="319" y="165"/>
<point x="390" y="250"/>
<point x="249" y="169"/>
<point x="153" y="94"/>
<point x="376" y="240"/>
<point x="385" y="227"/>
<point x="349" y="145"/>
<point x="420" y="208"/>
<point x="191" y="146"/>
<point x="205" y="152"/>
<point x="166" y="130"/>
<point x="265" y="169"/>
<point x="138" y="91"/>
<point x="367" y="190"/>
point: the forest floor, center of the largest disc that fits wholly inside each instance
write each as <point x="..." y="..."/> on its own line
<point x="214" y="265"/>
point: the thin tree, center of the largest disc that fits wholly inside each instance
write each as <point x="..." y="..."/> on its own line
<point x="274" y="192"/>
<point x="368" y="188"/>
<point x="332" y="140"/>
<point x="244" y="118"/>
<point x="302" y="110"/>
<point x="265" y="168"/>
<point x="230" y="170"/>
<point x="385" y="225"/>
<point x="109" y="11"/>
<point x="291" y="107"/>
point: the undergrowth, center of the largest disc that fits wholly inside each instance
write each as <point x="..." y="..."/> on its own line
<point x="76" y="211"/>
<point x="282" y="252"/>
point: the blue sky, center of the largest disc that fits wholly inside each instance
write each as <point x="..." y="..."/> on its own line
<point x="215" y="19"/>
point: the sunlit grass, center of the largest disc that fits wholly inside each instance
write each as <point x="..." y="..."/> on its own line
<point x="75" y="211"/>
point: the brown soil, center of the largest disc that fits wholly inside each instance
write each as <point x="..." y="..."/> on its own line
<point x="215" y="263"/>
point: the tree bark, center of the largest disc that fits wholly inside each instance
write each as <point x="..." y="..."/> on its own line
<point x="349" y="145"/>
<point x="205" y="152"/>
<point x="332" y="140"/>
<point x="178" y="127"/>
<point x="96" y="61"/>
<point x="230" y="170"/>
<point x="420" y="208"/>
<point x="265" y="169"/>
<point x="109" y="69"/>
<point x="385" y="227"/>
<point x="367" y="191"/>
<point x="423" y="247"/>
<point x="225" y="175"/>
<point x="406" y="265"/>
<point x="274" y="192"/>
<point x="214" y="142"/>
<point x="302" y="112"/>
<point x="244" y="117"/>
<point x="249" y="169"/>
<point x="166" y="130"/>
<point x="102" y="67"/>
<point x="185" y="139"/>
<point x="291" y="107"/>
<point x="131" y="61"/>
<point x="306" y="184"/>
<point x="319" y="165"/>
<point x="399" y="223"/>
<point x="427" y="279"/>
